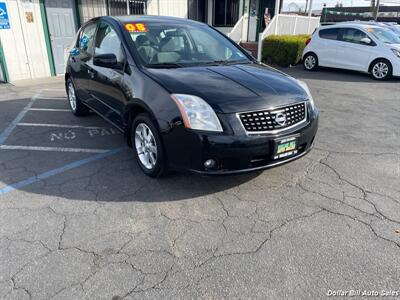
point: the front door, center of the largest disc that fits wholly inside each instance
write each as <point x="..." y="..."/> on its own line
<point x="62" y="28"/>
<point x="107" y="84"/>
<point x="253" y="20"/>
<point x="353" y="54"/>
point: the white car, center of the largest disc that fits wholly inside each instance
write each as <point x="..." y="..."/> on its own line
<point x="361" y="47"/>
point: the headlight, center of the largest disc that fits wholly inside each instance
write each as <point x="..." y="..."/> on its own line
<point x="310" y="98"/>
<point x="196" y="113"/>
<point x="396" y="52"/>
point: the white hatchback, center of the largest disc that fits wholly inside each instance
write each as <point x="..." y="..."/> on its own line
<point x="360" y="47"/>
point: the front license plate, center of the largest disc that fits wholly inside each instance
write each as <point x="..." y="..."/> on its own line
<point x="286" y="147"/>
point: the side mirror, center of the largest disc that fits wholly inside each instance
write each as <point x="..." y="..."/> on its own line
<point x="365" y="41"/>
<point x="108" y="60"/>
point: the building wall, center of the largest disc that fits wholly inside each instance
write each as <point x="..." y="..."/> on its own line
<point x="172" y="8"/>
<point x="24" y="43"/>
<point x="89" y="9"/>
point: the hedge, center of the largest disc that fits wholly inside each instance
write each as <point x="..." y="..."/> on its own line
<point x="283" y="50"/>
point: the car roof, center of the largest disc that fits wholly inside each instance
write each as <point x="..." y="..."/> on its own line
<point x="154" y="19"/>
<point x="352" y="25"/>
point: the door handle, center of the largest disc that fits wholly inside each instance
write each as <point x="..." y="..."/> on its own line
<point x="92" y="73"/>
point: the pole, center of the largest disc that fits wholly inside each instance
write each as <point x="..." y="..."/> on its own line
<point x="310" y="10"/>
<point x="107" y="7"/>
<point x="128" y="8"/>
<point x="377" y="10"/>
<point x="158" y="7"/>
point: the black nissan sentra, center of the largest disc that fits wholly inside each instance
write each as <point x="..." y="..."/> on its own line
<point x="187" y="97"/>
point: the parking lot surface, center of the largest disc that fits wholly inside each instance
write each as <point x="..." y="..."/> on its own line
<point x="79" y="220"/>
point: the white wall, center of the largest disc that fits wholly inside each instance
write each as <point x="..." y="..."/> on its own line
<point x="172" y="8"/>
<point x="24" y="44"/>
<point x="89" y="9"/>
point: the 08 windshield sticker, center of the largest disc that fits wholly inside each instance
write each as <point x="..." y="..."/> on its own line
<point x="136" y="27"/>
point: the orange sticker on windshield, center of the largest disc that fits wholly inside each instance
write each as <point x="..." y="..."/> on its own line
<point x="370" y="29"/>
<point x="136" y="27"/>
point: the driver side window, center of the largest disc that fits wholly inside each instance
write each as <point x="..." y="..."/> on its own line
<point x="352" y="35"/>
<point x="108" y="42"/>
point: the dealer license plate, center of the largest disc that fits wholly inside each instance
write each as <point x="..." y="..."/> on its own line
<point x="286" y="147"/>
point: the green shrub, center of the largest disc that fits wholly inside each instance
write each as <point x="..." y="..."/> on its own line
<point x="283" y="50"/>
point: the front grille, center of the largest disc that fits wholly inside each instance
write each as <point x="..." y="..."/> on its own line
<point x="265" y="120"/>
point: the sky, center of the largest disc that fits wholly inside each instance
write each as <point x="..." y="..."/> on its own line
<point x="318" y="4"/>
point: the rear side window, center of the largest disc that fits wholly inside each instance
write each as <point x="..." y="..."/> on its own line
<point x="329" y="34"/>
<point x="86" y="39"/>
<point x="352" y="35"/>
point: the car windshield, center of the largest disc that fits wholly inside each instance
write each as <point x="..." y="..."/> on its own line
<point x="384" y="35"/>
<point x="170" y="46"/>
<point x="396" y="30"/>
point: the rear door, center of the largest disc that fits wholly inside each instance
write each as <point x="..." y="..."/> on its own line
<point x="107" y="85"/>
<point x="81" y="61"/>
<point x="327" y="47"/>
<point x="354" y="54"/>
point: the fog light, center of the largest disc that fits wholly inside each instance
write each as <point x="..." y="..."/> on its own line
<point x="210" y="164"/>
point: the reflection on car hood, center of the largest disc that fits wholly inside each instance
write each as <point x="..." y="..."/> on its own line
<point x="234" y="88"/>
<point x="396" y="46"/>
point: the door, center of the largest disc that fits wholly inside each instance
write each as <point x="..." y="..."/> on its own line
<point x="326" y="47"/>
<point x="353" y="53"/>
<point x="107" y="85"/>
<point x="61" y="21"/>
<point x="81" y="62"/>
<point x="253" y="20"/>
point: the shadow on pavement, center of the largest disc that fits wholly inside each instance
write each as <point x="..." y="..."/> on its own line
<point x="115" y="177"/>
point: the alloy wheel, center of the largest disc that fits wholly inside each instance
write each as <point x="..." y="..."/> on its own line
<point x="146" y="146"/>
<point x="380" y="70"/>
<point x="72" y="96"/>
<point x="309" y="62"/>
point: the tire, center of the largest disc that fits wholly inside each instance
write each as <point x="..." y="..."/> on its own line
<point x="310" y="62"/>
<point x="381" y="69"/>
<point x="147" y="146"/>
<point x="76" y="106"/>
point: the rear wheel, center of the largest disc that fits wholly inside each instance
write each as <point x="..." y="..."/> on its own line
<point x="77" y="108"/>
<point x="310" y="62"/>
<point x="381" y="69"/>
<point x="147" y="146"/>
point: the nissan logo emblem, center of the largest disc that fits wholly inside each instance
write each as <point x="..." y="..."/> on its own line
<point x="280" y="118"/>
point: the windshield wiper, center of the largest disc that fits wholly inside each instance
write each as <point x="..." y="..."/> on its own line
<point x="165" y="65"/>
<point x="227" y="62"/>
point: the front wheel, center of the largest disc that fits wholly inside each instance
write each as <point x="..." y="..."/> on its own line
<point x="147" y="146"/>
<point x="381" y="70"/>
<point x="310" y="62"/>
<point x="77" y="107"/>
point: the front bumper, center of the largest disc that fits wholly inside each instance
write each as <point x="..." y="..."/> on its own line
<point x="234" y="151"/>
<point x="396" y="67"/>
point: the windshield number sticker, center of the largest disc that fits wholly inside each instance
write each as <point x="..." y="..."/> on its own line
<point x="136" y="27"/>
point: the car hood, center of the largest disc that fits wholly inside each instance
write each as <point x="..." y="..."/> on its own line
<point x="233" y="88"/>
<point x="396" y="46"/>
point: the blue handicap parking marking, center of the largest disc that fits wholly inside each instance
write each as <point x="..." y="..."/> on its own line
<point x="4" y="19"/>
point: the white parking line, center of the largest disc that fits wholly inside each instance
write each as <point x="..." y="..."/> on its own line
<point x="6" y="133"/>
<point x="52" y="98"/>
<point x="52" y="149"/>
<point x="60" y="126"/>
<point x="48" y="109"/>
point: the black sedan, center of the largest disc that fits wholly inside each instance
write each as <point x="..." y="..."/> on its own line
<point x="187" y="97"/>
